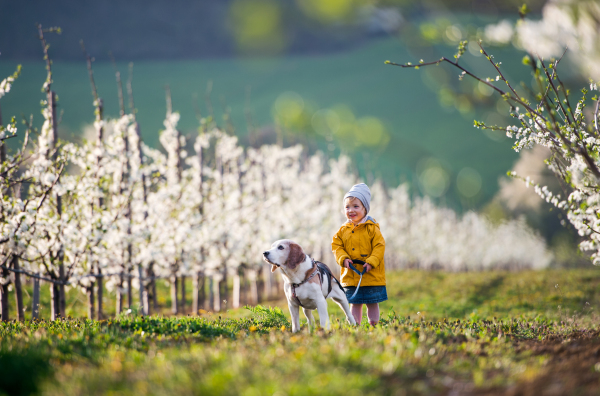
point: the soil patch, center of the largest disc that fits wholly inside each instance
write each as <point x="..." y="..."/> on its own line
<point x="573" y="367"/>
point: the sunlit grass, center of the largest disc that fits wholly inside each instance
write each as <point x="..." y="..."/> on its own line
<point x="438" y="331"/>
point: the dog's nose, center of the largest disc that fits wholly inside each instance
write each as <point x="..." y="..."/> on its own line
<point x="265" y="254"/>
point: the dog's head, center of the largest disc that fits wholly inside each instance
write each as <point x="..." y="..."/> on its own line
<point x="284" y="253"/>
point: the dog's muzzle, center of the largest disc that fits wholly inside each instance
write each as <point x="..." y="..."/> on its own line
<point x="266" y="258"/>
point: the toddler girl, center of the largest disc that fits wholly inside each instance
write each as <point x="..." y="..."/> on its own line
<point x="360" y="239"/>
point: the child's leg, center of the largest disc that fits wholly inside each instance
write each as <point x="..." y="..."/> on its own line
<point x="373" y="313"/>
<point x="357" y="312"/>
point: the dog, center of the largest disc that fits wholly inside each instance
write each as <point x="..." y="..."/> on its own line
<point x="307" y="284"/>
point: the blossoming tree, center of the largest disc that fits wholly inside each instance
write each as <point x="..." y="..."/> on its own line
<point x="547" y="114"/>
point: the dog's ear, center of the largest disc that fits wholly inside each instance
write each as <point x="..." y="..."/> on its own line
<point x="296" y="256"/>
<point x="274" y="267"/>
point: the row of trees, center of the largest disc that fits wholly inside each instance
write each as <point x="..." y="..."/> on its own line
<point x="114" y="214"/>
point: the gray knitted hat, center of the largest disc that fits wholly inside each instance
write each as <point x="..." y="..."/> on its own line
<point x="362" y="192"/>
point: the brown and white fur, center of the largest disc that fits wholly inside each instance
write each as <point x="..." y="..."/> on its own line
<point x="294" y="264"/>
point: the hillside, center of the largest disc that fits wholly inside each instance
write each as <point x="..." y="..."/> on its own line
<point x="420" y="124"/>
<point x="202" y="29"/>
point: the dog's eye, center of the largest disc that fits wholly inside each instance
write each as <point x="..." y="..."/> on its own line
<point x="280" y="247"/>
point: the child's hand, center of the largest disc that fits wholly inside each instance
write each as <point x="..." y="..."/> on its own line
<point x="367" y="266"/>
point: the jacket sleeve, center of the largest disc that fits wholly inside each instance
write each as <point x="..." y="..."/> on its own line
<point x="378" y="251"/>
<point x="337" y="246"/>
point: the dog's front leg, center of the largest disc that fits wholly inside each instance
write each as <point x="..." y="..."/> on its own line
<point x="323" y="314"/>
<point x="295" y="312"/>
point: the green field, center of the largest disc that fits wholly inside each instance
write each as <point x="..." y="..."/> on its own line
<point x="422" y="124"/>
<point x="470" y="333"/>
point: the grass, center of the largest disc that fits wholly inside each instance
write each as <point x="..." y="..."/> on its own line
<point x="433" y="295"/>
<point x="483" y="333"/>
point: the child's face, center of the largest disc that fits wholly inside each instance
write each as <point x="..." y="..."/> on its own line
<point x="354" y="210"/>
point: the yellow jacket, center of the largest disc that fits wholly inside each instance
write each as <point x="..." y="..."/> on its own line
<point x="361" y="242"/>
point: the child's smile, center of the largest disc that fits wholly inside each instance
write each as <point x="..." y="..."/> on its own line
<point x="354" y="210"/>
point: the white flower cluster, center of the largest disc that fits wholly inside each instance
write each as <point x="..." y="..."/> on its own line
<point x="5" y="85"/>
<point x="500" y="33"/>
<point x="533" y="130"/>
<point x="419" y="234"/>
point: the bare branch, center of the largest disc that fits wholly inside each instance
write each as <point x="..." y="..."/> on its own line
<point x="119" y="85"/>
<point x="596" y="115"/>
<point x="549" y="77"/>
<point x="45" y="47"/>
<point x="89" y="61"/>
<point x="132" y="110"/>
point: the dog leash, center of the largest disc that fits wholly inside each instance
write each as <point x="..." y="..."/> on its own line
<point x="353" y="268"/>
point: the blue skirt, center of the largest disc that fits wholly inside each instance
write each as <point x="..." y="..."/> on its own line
<point x="366" y="294"/>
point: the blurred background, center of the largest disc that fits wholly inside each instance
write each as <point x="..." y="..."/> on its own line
<point x="303" y="71"/>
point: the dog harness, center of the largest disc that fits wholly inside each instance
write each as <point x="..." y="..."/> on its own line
<point x="320" y="269"/>
<point x="353" y="268"/>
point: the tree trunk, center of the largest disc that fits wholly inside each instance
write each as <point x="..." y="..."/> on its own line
<point x="4" y="297"/>
<point x="211" y="293"/>
<point x="243" y="288"/>
<point x="223" y="290"/>
<point x="146" y="301"/>
<point x="100" y="282"/>
<point x="148" y="291"/>
<point x="55" y="297"/>
<point x="18" y="290"/>
<point x="35" y="304"/>
<point x="143" y="292"/>
<point x="152" y="287"/>
<point x="253" y="298"/>
<point x="91" y="300"/>
<point x="260" y="289"/>
<point x="57" y="291"/>
<point x="174" y="305"/>
<point x="202" y="291"/>
<point x="4" y="302"/>
<point x="268" y="290"/>
<point x="236" y="290"/>
<point x="129" y="291"/>
<point x="216" y="296"/>
<point x="183" y="296"/>
<point x="119" y="296"/>
<point x="62" y="298"/>
<point x="197" y="285"/>
<point x="155" y="304"/>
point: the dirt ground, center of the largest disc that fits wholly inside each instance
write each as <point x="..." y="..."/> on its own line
<point x="573" y="367"/>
